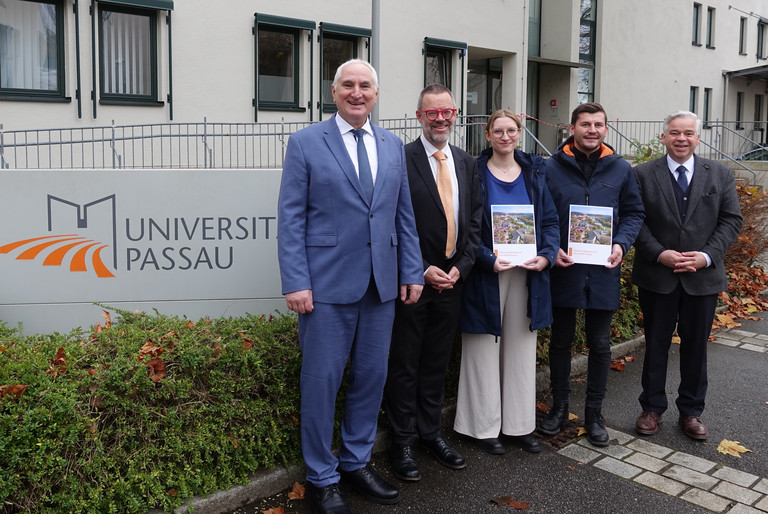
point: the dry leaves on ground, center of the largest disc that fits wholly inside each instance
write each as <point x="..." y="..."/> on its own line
<point x="508" y="501"/>
<point x="297" y="493"/>
<point x="732" y="448"/>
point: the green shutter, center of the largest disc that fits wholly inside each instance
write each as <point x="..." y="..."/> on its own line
<point x="165" y="5"/>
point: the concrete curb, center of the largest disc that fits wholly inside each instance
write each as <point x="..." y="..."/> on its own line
<point x="272" y="481"/>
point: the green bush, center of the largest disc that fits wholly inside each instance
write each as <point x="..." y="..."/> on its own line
<point x="145" y="413"/>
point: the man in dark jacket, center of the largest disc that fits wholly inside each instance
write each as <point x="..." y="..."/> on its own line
<point x="447" y="204"/>
<point x="693" y="218"/>
<point x="585" y="171"/>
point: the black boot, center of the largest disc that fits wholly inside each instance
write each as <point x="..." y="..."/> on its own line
<point x="595" y="427"/>
<point x="556" y="418"/>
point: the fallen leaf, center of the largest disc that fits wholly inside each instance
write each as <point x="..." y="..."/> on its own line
<point x="618" y="364"/>
<point x="508" y="501"/>
<point x="107" y="318"/>
<point x="581" y="432"/>
<point x="630" y="358"/>
<point x="247" y="343"/>
<point x="274" y="510"/>
<point x="297" y="493"/>
<point x="572" y="468"/>
<point x="675" y="339"/>
<point x="172" y="492"/>
<point x="58" y="364"/>
<point x="732" y="448"/>
<point x="543" y="407"/>
<point x="13" y="389"/>
<point x="156" y="369"/>
<point x="572" y="416"/>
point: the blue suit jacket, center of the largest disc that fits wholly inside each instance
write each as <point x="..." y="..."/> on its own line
<point x="330" y="239"/>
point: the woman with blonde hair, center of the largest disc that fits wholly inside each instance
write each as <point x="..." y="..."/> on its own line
<point x="504" y="304"/>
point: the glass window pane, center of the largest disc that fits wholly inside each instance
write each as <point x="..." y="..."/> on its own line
<point x="335" y="52"/>
<point x="437" y="68"/>
<point x="276" y="66"/>
<point x="126" y="49"/>
<point x="28" y="46"/>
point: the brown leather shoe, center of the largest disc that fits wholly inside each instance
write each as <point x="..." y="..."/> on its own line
<point x="648" y="423"/>
<point x="693" y="427"/>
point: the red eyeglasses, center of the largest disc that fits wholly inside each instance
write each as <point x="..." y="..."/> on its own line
<point x="432" y="114"/>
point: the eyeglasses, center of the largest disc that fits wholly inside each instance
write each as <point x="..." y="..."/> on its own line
<point x="447" y="114"/>
<point x="498" y="133"/>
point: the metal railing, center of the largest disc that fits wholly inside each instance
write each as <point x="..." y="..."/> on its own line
<point x="262" y="145"/>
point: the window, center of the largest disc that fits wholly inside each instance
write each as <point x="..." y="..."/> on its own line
<point x="338" y="44"/>
<point x="278" y="46"/>
<point x="694" y="99"/>
<point x="743" y="36"/>
<point x="586" y="92"/>
<point x="707" y="106"/>
<point x="759" y="107"/>
<point x="587" y="31"/>
<point x="695" y="33"/>
<point x="534" y="28"/>
<point x="710" y="27"/>
<point x="32" y="50"/>
<point x="128" y="55"/>
<point x="762" y="36"/>
<point x="739" y="110"/>
<point x="438" y="61"/>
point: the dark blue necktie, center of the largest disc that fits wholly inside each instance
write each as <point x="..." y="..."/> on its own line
<point x="682" y="180"/>
<point x="363" y="165"/>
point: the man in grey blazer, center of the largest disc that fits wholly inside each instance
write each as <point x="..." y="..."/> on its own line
<point x="692" y="217"/>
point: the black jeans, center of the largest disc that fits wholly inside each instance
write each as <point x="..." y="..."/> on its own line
<point x="598" y="335"/>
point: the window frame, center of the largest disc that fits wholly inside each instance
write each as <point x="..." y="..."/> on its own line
<point x="762" y="40"/>
<point x="286" y="25"/>
<point x="696" y="27"/>
<point x="434" y="47"/>
<point x="151" y="99"/>
<point x="693" y="99"/>
<point x="588" y="28"/>
<point x="711" y="21"/>
<point x="707" y="107"/>
<point x="355" y="35"/>
<point x="739" y="110"/>
<point x="46" y="95"/>
<point x="743" y="26"/>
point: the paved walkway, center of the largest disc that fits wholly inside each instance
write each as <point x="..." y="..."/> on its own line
<point x="665" y="473"/>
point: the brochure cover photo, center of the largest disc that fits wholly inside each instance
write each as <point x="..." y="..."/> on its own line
<point x="514" y="232"/>
<point x="590" y="234"/>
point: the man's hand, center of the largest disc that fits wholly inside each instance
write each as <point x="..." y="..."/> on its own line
<point x="441" y="280"/>
<point x="563" y="260"/>
<point x="685" y="262"/>
<point x="300" y="301"/>
<point x="615" y="258"/>
<point x="410" y="293"/>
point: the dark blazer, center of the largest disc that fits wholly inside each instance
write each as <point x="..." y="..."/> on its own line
<point x="330" y="239"/>
<point x="712" y="224"/>
<point x="430" y="216"/>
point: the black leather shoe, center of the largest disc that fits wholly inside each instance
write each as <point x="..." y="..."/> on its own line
<point x="369" y="484"/>
<point x="443" y="453"/>
<point x="403" y="464"/>
<point x="491" y="445"/>
<point x="595" y="426"/>
<point x="556" y="418"/>
<point x="527" y="443"/>
<point x="327" y="500"/>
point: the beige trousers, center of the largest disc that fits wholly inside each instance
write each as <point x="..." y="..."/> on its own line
<point x="497" y="384"/>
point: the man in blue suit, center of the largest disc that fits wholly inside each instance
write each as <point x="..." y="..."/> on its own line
<point x="346" y="239"/>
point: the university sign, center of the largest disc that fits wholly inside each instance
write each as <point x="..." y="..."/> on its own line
<point x="192" y="242"/>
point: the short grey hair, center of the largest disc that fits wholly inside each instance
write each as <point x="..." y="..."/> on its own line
<point x="356" y="61"/>
<point x="682" y="114"/>
<point x="434" y="89"/>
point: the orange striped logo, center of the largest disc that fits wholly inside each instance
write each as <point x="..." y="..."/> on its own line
<point x="55" y="250"/>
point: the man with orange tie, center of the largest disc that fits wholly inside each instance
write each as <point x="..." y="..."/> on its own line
<point x="447" y="204"/>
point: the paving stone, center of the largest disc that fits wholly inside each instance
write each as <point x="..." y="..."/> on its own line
<point x="762" y="337"/>
<point x="660" y="483"/>
<point x="617" y="467"/>
<point x="761" y="486"/>
<point x="654" y="450"/>
<point x="742" y="333"/>
<point x="754" y="348"/>
<point x="740" y="508"/>
<point x="619" y="437"/>
<point x="736" y="492"/>
<point x="705" y="499"/>
<point x="763" y="504"/>
<point x="579" y="453"/>
<point x="735" y="476"/>
<point x="755" y="341"/>
<point x="727" y="342"/>
<point x="646" y="462"/>
<point x="690" y="477"/>
<point x="691" y="462"/>
<point x="614" y="450"/>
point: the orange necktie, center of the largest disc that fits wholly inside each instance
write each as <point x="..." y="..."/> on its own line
<point x="446" y="197"/>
